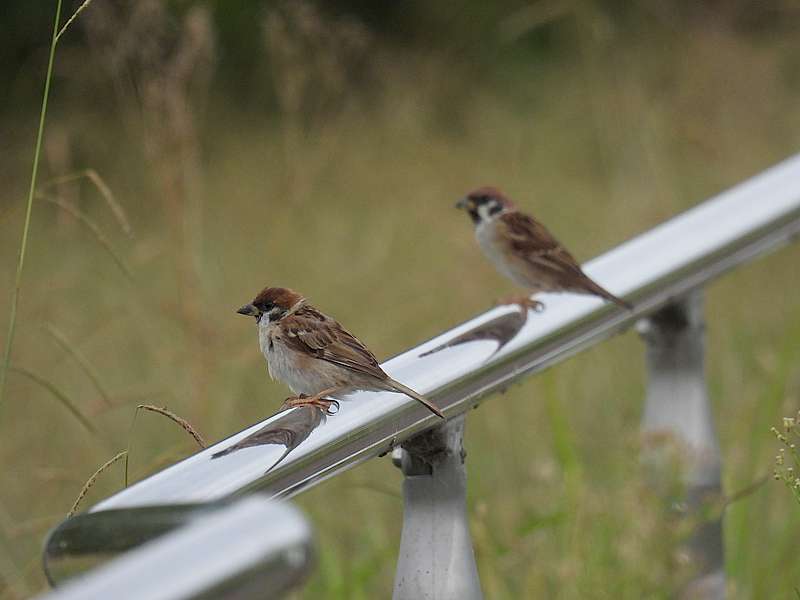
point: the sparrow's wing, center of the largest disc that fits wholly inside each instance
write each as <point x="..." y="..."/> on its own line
<point x="314" y="333"/>
<point x="311" y="332"/>
<point x="530" y="240"/>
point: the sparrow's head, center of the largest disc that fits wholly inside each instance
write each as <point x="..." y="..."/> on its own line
<point x="272" y="302"/>
<point x="485" y="204"/>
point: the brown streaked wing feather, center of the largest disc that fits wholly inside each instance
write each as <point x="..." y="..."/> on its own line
<point x="313" y="332"/>
<point x="531" y="240"/>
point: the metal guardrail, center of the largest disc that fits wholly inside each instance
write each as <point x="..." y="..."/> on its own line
<point x="656" y="271"/>
<point x="237" y="551"/>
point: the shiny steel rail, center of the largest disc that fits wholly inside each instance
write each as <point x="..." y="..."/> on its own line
<point x="650" y="271"/>
<point x="252" y="548"/>
<point x="292" y="451"/>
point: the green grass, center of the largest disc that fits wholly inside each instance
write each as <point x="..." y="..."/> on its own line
<point x="23" y="245"/>
<point x="359" y="217"/>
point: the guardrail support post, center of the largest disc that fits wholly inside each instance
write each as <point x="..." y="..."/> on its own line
<point x="677" y="424"/>
<point x="436" y="558"/>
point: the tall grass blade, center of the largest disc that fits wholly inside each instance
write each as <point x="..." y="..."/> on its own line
<point x="12" y="318"/>
<point x="94" y="228"/>
<point x="60" y="396"/>
<point x="564" y="446"/>
<point x="747" y="491"/>
<point x="91" y="481"/>
<point x="81" y="359"/>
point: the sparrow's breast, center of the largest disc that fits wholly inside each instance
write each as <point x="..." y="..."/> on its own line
<point x="303" y="374"/>
<point x="497" y="250"/>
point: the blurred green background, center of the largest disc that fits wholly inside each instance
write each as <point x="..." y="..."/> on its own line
<point x="321" y="146"/>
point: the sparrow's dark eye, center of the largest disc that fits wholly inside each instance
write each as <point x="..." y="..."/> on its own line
<point x="266" y="306"/>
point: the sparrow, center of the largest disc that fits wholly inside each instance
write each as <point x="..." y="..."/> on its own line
<point x="522" y="249"/>
<point x="314" y="355"/>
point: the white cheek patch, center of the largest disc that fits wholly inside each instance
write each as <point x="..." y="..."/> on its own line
<point x="488" y="210"/>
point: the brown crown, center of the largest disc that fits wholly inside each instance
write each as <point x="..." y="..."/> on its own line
<point x="489" y="191"/>
<point x="277" y="296"/>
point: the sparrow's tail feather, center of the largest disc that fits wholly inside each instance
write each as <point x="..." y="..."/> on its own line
<point x="404" y="389"/>
<point x="594" y="288"/>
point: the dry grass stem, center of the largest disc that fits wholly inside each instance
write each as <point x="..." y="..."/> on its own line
<point x="183" y="423"/>
<point x="103" y="188"/>
<point x="60" y="396"/>
<point x="81" y="359"/>
<point x="94" y="228"/>
<point x="91" y="481"/>
<point x="315" y="61"/>
<point x="162" y="68"/>
<point x="74" y="16"/>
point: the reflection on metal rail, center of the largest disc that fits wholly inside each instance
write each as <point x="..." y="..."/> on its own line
<point x="292" y="451"/>
<point x="251" y="548"/>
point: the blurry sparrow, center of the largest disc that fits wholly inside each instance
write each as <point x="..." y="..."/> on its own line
<point x="522" y="249"/>
<point x="314" y="355"/>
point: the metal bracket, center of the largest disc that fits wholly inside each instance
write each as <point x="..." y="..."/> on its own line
<point x="677" y="423"/>
<point x="436" y="558"/>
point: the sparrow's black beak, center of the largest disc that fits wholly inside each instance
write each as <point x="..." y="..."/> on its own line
<point x="463" y="204"/>
<point x="248" y="310"/>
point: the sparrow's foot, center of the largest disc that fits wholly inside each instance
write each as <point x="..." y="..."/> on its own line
<point x="524" y="302"/>
<point x="317" y="401"/>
